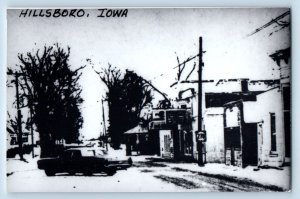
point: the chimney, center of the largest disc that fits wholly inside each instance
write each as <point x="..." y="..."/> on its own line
<point x="244" y="85"/>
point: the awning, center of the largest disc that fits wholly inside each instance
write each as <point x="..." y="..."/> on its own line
<point x="136" y="130"/>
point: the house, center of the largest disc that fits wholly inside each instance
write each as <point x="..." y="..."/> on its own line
<point x="216" y="97"/>
<point x="253" y="131"/>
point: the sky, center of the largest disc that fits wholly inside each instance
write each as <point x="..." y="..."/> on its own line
<point x="148" y="42"/>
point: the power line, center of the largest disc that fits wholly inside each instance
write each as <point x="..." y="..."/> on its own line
<point x="269" y="23"/>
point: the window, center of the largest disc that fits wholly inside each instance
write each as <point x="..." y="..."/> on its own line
<point x="287" y="119"/>
<point x="86" y="153"/>
<point x="273" y="131"/>
<point x="159" y="116"/>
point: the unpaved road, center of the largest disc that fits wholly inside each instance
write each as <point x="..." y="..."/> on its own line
<point x="198" y="181"/>
<point x="144" y="176"/>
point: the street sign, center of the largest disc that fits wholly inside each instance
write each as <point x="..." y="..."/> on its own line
<point x="201" y="136"/>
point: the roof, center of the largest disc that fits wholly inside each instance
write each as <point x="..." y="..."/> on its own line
<point x="277" y="87"/>
<point x="240" y="101"/>
<point x="219" y="99"/>
<point x="136" y="130"/>
<point x="232" y="103"/>
<point x="283" y="54"/>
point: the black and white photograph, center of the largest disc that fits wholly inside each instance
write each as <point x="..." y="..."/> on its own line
<point x="148" y="100"/>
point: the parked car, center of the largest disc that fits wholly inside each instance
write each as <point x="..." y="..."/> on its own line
<point x="82" y="160"/>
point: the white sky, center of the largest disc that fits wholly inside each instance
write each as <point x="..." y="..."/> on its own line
<point x="146" y="42"/>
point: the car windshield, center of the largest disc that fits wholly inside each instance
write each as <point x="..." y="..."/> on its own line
<point x="88" y="153"/>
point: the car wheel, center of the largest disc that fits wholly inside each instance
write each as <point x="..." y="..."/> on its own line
<point x="71" y="173"/>
<point x="88" y="173"/>
<point x="50" y="172"/>
<point x="110" y="172"/>
<point x="130" y="161"/>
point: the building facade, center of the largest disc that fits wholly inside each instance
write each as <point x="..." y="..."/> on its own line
<point x="173" y="127"/>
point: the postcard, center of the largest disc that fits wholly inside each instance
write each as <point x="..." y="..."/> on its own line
<point x="148" y="100"/>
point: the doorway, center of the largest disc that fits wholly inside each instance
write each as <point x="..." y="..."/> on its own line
<point x="250" y="145"/>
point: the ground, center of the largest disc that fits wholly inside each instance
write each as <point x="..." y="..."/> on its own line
<point x="149" y="173"/>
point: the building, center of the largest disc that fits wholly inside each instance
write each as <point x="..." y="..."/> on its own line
<point x="234" y="90"/>
<point x="173" y="128"/>
<point x="137" y="141"/>
<point x="282" y="58"/>
<point x="13" y="143"/>
<point x="253" y="131"/>
<point x="277" y="34"/>
<point x="247" y="127"/>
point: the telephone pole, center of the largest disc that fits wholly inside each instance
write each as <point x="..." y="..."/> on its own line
<point x="199" y="142"/>
<point x="104" y="126"/>
<point x="19" y="120"/>
<point x="31" y="129"/>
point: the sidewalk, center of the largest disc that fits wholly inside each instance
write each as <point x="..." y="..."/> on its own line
<point x="14" y="165"/>
<point x="269" y="177"/>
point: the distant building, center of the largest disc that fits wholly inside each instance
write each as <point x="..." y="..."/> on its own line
<point x="173" y="128"/>
<point x="13" y="143"/>
<point x="14" y="139"/>
<point x="138" y="141"/>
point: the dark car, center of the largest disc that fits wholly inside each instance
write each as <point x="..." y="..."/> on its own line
<point x="81" y="160"/>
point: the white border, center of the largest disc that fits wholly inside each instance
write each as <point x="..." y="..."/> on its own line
<point x="295" y="10"/>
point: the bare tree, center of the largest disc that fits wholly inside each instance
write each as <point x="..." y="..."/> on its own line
<point x="127" y="95"/>
<point x="50" y="89"/>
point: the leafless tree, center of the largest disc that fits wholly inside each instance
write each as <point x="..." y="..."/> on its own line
<point x="50" y="89"/>
<point x="127" y="95"/>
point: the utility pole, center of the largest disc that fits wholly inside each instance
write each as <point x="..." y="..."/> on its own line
<point x="199" y="142"/>
<point x="104" y="126"/>
<point x="31" y="128"/>
<point x="19" y="121"/>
